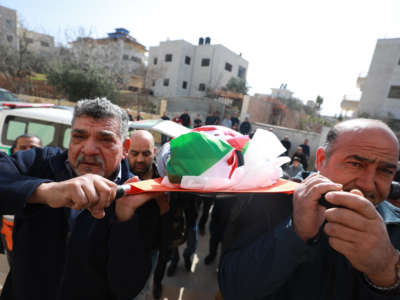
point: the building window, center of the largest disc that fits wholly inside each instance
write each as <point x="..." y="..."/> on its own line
<point x="242" y="72"/>
<point x="136" y="59"/>
<point x="166" y="82"/>
<point x="168" y="57"/>
<point x="125" y="57"/>
<point x="184" y="85"/>
<point x="187" y="60"/>
<point x="44" y="44"/>
<point x="10" y="38"/>
<point x="153" y="83"/>
<point x="228" y="67"/>
<point x="394" y="92"/>
<point x="155" y="60"/>
<point x="29" y="40"/>
<point x="202" y="87"/>
<point x="9" y="24"/>
<point x="205" y="62"/>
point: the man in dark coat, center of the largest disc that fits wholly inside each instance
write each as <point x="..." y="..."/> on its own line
<point x="348" y="251"/>
<point x="71" y="240"/>
<point x="287" y="144"/>
<point x="245" y="127"/>
<point x="185" y="118"/>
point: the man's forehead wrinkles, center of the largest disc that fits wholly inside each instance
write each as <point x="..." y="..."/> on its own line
<point x="361" y="158"/>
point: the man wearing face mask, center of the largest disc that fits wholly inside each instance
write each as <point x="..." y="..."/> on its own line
<point x="71" y="239"/>
<point x="349" y="251"/>
<point x="25" y="142"/>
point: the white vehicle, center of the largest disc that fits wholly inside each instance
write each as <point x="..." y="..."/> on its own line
<point x="51" y="124"/>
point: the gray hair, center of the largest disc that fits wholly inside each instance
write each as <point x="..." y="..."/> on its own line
<point x="101" y="108"/>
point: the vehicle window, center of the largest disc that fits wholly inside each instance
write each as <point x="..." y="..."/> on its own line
<point x="8" y="96"/>
<point x="15" y="129"/>
<point x="67" y="137"/>
<point x="43" y="131"/>
<point x="15" y="126"/>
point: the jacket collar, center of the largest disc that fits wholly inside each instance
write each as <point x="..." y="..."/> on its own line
<point x="389" y="213"/>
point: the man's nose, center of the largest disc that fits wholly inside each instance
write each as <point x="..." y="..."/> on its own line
<point x="366" y="182"/>
<point x="140" y="157"/>
<point x="90" y="147"/>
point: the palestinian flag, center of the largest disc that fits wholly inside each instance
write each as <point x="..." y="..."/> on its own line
<point x="217" y="157"/>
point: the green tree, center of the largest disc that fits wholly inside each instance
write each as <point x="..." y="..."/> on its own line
<point x="319" y="102"/>
<point x="79" y="81"/>
<point x="237" y="85"/>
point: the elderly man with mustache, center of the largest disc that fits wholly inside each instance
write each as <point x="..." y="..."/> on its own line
<point x="344" y="248"/>
<point x="71" y="239"/>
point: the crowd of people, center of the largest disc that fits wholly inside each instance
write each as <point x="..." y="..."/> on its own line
<point x="213" y="118"/>
<point x="73" y="239"/>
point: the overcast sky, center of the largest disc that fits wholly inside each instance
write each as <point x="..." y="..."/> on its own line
<point x="316" y="47"/>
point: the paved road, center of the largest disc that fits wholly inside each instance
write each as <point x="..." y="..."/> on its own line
<point x="201" y="284"/>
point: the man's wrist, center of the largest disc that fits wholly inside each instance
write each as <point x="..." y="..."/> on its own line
<point x="390" y="283"/>
<point x="40" y="194"/>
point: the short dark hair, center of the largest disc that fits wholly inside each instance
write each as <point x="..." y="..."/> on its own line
<point x="25" y="135"/>
<point x="102" y="108"/>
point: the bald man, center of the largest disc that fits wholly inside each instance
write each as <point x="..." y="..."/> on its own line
<point x="141" y="154"/>
<point x="350" y="251"/>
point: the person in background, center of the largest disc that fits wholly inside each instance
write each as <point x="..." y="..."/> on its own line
<point x="177" y="119"/>
<point x="235" y="121"/>
<point x="210" y="120"/>
<point x="26" y="141"/>
<point x="138" y="116"/>
<point x="206" y="202"/>
<point x="141" y="157"/>
<point x="184" y="205"/>
<point x="23" y="142"/>
<point x="345" y="248"/>
<point x="219" y="220"/>
<point x="217" y="118"/>
<point x="306" y="148"/>
<point x="295" y="167"/>
<point x="287" y="144"/>
<point x="227" y="121"/>
<point x="245" y="127"/>
<point x="164" y="138"/>
<point x="164" y="116"/>
<point x="185" y="118"/>
<point x="299" y="153"/>
<point x="197" y="122"/>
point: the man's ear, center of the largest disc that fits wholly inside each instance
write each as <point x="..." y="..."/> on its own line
<point x="320" y="158"/>
<point x="155" y="151"/>
<point x="125" y="147"/>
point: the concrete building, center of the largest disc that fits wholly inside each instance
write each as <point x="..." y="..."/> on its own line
<point x="381" y="88"/>
<point x="118" y="50"/>
<point x="282" y="92"/>
<point x="38" y="43"/>
<point x="180" y="69"/>
<point x="8" y="27"/>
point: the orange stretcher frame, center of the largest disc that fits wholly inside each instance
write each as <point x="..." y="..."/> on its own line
<point x="154" y="185"/>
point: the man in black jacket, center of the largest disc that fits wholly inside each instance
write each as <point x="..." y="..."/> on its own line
<point x="71" y="240"/>
<point x="345" y="247"/>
